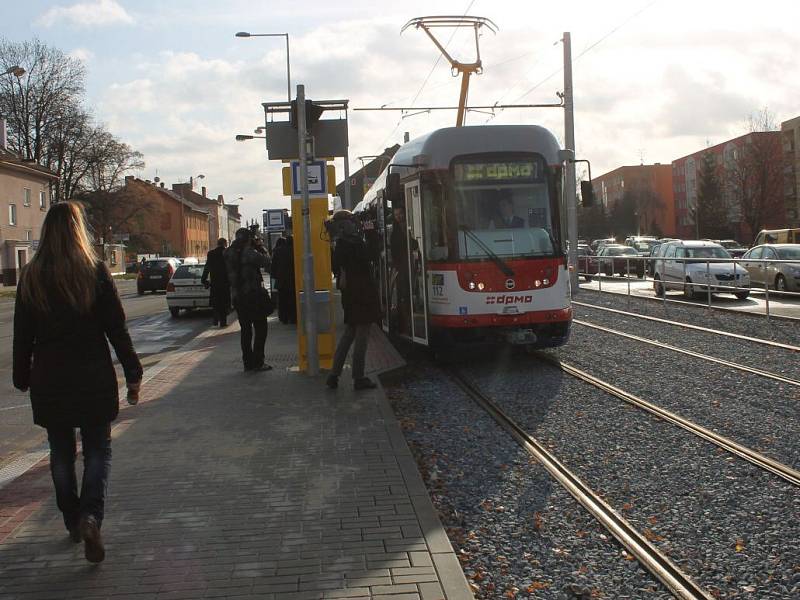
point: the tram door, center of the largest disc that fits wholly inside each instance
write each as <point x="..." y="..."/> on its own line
<point x="416" y="266"/>
<point x="383" y="274"/>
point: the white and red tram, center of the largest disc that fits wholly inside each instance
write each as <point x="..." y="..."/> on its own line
<point x="468" y="225"/>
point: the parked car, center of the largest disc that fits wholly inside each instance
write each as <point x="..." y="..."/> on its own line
<point x="185" y="290"/>
<point x="683" y="266"/>
<point x="734" y="248"/>
<point x="584" y="252"/>
<point x="597" y="244"/>
<point x="656" y="251"/>
<point x="777" y="236"/>
<point x="642" y="244"/>
<point x="782" y="277"/>
<point x="615" y="259"/>
<point x="154" y="274"/>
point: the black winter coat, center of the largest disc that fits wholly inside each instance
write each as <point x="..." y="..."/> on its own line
<point x="64" y="359"/>
<point x="360" y="292"/>
<point x="217" y="270"/>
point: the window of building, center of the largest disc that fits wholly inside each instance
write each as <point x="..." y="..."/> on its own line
<point x="113" y="257"/>
<point x="12" y="214"/>
<point x="42" y="200"/>
<point x="26" y="197"/>
<point x="28" y="235"/>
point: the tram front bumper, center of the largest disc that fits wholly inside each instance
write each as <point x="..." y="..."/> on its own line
<point x="521" y="336"/>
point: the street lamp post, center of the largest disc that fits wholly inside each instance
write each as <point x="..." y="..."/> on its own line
<point x="245" y="34"/>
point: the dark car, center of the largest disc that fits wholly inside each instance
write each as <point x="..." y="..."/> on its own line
<point x="734" y="248"/>
<point x="154" y="274"/>
<point x="616" y="259"/>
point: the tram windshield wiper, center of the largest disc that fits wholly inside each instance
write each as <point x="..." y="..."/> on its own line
<point x="501" y="264"/>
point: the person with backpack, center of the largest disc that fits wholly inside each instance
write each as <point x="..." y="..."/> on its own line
<point x="351" y="265"/>
<point x="66" y="308"/>
<point x="244" y="260"/>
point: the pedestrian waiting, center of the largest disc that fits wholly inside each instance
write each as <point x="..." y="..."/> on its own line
<point x="283" y="272"/>
<point x="66" y="307"/>
<point x="244" y="260"/>
<point x="351" y="265"/>
<point x="217" y="271"/>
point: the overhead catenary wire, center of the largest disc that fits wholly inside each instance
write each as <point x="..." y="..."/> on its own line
<point x="585" y="51"/>
<point x="427" y="78"/>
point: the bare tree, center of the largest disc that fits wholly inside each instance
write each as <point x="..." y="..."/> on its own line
<point x="35" y="103"/>
<point x="755" y="173"/>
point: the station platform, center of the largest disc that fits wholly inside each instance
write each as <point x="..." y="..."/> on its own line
<point x="227" y="484"/>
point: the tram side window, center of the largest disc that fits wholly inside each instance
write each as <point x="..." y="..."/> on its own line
<point x="434" y="220"/>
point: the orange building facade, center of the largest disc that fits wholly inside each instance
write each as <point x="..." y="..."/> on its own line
<point x="651" y="186"/>
<point x="171" y="225"/>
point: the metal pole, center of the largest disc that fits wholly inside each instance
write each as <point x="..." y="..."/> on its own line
<point x="288" y="71"/>
<point x="708" y="280"/>
<point x="309" y="286"/>
<point x="766" y="289"/>
<point x="570" y="196"/>
<point x="348" y="198"/>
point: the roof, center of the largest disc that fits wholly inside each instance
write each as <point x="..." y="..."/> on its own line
<point x="439" y="147"/>
<point x="170" y="194"/>
<point x="12" y="161"/>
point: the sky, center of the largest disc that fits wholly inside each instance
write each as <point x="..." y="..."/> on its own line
<point x="654" y="80"/>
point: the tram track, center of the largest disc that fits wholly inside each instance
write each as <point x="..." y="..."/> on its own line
<point x="658" y="564"/>
<point x="684" y="351"/>
<point x="756" y="458"/>
<point x="728" y="334"/>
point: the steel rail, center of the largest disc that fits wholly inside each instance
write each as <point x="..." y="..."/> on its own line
<point x="773" y="466"/>
<point x="659" y="565"/>
<point x="694" y="327"/>
<point x="713" y="359"/>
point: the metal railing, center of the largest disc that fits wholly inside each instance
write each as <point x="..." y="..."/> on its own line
<point x="695" y="282"/>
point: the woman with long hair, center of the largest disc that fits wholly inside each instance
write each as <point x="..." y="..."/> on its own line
<point x="66" y="307"/>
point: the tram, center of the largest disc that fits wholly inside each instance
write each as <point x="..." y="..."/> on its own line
<point x="468" y="226"/>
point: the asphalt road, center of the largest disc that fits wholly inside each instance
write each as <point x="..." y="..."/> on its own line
<point x="154" y="335"/>
<point x="779" y="305"/>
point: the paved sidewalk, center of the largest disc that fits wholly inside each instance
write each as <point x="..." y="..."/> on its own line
<point x="234" y="485"/>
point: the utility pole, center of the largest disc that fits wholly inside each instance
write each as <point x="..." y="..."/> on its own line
<point x="347" y="201"/>
<point x="570" y="196"/>
<point x="309" y="285"/>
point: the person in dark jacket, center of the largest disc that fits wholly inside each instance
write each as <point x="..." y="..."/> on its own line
<point x="66" y="307"/>
<point x="244" y="260"/>
<point x="351" y="265"/>
<point x="220" y="288"/>
<point x="283" y="271"/>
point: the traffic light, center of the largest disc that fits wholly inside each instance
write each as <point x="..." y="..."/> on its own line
<point x="313" y="114"/>
<point x="587" y="194"/>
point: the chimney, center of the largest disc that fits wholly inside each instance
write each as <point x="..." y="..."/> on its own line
<point x="3" y="134"/>
<point x="220" y="199"/>
<point x="204" y="191"/>
<point x="129" y="178"/>
<point x="162" y="184"/>
<point x="147" y="181"/>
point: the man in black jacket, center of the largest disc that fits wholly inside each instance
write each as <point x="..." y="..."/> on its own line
<point x="220" y="288"/>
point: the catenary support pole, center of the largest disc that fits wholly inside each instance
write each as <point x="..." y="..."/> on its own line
<point x="570" y="195"/>
<point x="347" y="201"/>
<point x="309" y="285"/>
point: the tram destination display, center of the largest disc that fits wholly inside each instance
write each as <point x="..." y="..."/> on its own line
<point x="509" y="171"/>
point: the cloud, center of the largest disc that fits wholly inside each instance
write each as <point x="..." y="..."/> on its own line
<point x="86" y="14"/>
<point x="82" y="54"/>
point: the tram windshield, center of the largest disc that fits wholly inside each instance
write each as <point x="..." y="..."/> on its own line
<point x="503" y="207"/>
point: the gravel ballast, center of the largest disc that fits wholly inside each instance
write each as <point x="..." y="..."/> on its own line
<point x="780" y="361"/>
<point x="729" y="524"/>
<point x="518" y="533"/>
<point x="778" y="330"/>
<point x="755" y="411"/>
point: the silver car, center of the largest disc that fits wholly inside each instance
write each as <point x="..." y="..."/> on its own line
<point x="779" y="276"/>
<point x="699" y="267"/>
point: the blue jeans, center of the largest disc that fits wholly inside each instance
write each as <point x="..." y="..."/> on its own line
<point x="96" y="440"/>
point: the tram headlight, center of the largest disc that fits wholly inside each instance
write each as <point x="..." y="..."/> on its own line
<point x="471" y="285"/>
<point x="545" y="282"/>
<point x="537" y="283"/>
<point x="481" y="286"/>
